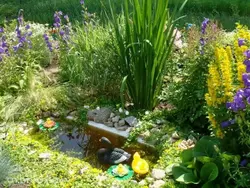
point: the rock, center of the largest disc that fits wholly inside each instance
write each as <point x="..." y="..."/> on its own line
<point x="131" y="121"/>
<point x="46" y="114"/>
<point x="172" y="140"/>
<point x="175" y="135"/>
<point x="24" y="124"/>
<point x="158" y="174"/>
<point x="83" y="170"/>
<point x="155" y="130"/>
<point x="191" y="137"/>
<point x="134" y="181"/>
<point x="26" y="131"/>
<point x="109" y="124"/>
<point x="129" y="129"/>
<point x="45" y="156"/>
<point x="142" y="183"/>
<point x="40" y="121"/>
<point x="101" y="178"/>
<point x="149" y="179"/>
<point x="186" y="144"/>
<point x="157" y="184"/>
<point x="55" y="114"/>
<point x="19" y="186"/>
<point x="115" y="125"/>
<point x="99" y="116"/>
<point x="70" y="118"/>
<point x="116" y="119"/>
<point x="165" y="137"/>
<point x="112" y="115"/>
<point x="121" y="122"/>
<point x="168" y="169"/>
<point x="145" y="134"/>
<point x="160" y="121"/>
<point x="123" y="128"/>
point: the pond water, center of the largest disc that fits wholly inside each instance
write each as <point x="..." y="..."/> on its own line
<point x="84" y="143"/>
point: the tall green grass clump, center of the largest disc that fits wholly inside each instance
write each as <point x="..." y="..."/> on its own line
<point x="144" y="44"/>
<point x="90" y="61"/>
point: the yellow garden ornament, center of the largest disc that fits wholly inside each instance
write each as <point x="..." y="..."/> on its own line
<point x="139" y="165"/>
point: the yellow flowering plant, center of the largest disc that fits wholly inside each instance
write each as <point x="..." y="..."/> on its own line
<point x="228" y="95"/>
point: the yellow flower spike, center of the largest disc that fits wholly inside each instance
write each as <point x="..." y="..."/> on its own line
<point x="229" y="53"/>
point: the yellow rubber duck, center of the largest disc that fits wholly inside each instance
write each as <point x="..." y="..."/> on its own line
<point x="140" y="166"/>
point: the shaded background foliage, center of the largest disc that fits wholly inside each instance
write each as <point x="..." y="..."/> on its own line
<point x="227" y="12"/>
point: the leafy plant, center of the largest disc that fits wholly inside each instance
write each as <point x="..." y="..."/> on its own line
<point x="6" y="165"/>
<point x="185" y="83"/>
<point x="145" y="39"/>
<point x="205" y="164"/>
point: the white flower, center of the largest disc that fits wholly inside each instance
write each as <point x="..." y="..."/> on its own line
<point x="126" y="112"/>
<point x="120" y="110"/>
<point x="147" y="112"/>
<point x="97" y="108"/>
<point x="86" y="106"/>
<point x="178" y="43"/>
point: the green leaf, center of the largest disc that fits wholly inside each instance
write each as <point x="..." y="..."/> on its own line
<point x="21" y="83"/>
<point x="184" y="175"/>
<point x="187" y="155"/>
<point x="209" y="172"/>
<point x="204" y="159"/>
<point x="210" y="185"/>
<point x="206" y="147"/>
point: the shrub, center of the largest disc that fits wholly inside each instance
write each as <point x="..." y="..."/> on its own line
<point x="144" y="43"/>
<point x="185" y="84"/>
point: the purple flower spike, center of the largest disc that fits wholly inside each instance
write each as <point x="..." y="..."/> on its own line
<point x="27" y="27"/>
<point x="247" y="62"/>
<point x="82" y="2"/>
<point x="62" y="32"/>
<point x="247" y="92"/>
<point x="247" y="54"/>
<point x="229" y="105"/>
<point x="248" y="69"/>
<point x="1" y="30"/>
<point x="246" y="80"/>
<point x="241" y="42"/>
<point x="66" y="17"/>
<point x="243" y="163"/>
<point x="204" y="25"/>
<point x="227" y="123"/>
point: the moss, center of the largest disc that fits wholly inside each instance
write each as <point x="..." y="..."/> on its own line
<point x="58" y="171"/>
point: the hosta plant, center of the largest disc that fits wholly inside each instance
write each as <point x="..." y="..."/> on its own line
<point x="205" y="164"/>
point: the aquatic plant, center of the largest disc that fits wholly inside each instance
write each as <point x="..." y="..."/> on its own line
<point x="144" y="41"/>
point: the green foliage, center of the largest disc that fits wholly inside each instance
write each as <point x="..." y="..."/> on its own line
<point x="90" y="61"/>
<point x="27" y="106"/>
<point x="18" y="69"/>
<point x="144" y="43"/>
<point x="6" y="165"/>
<point x="185" y="83"/>
<point x="41" y="12"/>
<point x="205" y="164"/>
